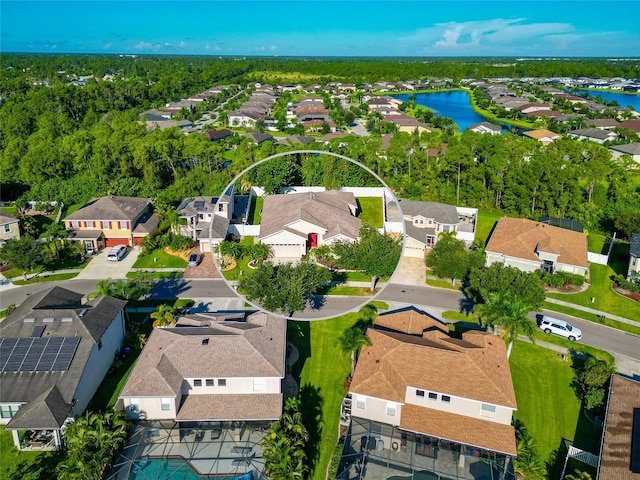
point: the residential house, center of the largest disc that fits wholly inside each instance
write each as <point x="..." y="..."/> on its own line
<point x="422" y="399"/>
<point x="9" y="227"/>
<point x="258" y="138"/>
<point x="486" y="127"/>
<point x="295" y="222"/>
<point x="292" y="140"/>
<point x="206" y="219"/>
<point x="634" y="257"/>
<point x="425" y="221"/>
<point x="407" y="124"/>
<point x="631" y="149"/>
<point x="239" y="118"/>
<point x="54" y="352"/>
<point x="593" y="135"/>
<point x="602" y="123"/>
<point x="217" y="135"/>
<point x="620" y="448"/>
<point x="543" y="136"/>
<point x="528" y="246"/>
<point x="210" y="368"/>
<point x="109" y="221"/>
<point x="631" y="125"/>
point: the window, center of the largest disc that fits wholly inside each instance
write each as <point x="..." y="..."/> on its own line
<point x="197" y="382"/>
<point x="259" y="384"/>
<point x="90" y="224"/>
<point x="446" y="398"/>
<point x="123" y="225"/>
<point x="419" y="393"/>
<point x="221" y="207"/>
<point x="391" y="411"/>
<point x="222" y="382"/>
<point x="209" y="382"/>
<point x="446" y="228"/>
<point x="75" y="224"/>
<point x="7" y="228"/>
<point x="8" y="411"/>
<point x="488" y="410"/>
<point x="165" y="404"/>
<point x="360" y="404"/>
<point x="433" y="396"/>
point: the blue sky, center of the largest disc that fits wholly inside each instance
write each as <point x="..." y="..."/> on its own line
<point x="322" y="28"/>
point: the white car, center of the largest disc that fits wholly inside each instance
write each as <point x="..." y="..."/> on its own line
<point x="560" y="327"/>
<point x="116" y="253"/>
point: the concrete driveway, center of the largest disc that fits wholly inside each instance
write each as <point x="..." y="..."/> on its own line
<point x="100" y="268"/>
<point x="410" y="271"/>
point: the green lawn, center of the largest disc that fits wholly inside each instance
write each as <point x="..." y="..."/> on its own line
<point x="52" y="265"/>
<point x="370" y="209"/>
<point x="242" y="266"/>
<point x="9" y="210"/>
<point x="605" y="299"/>
<point x="157" y="275"/>
<point x="29" y="464"/>
<point x="350" y="277"/>
<point x="255" y="211"/>
<point x="47" y="278"/>
<point x="547" y="404"/>
<point x="159" y="259"/>
<point x="596" y="243"/>
<point x="321" y="370"/>
<point x="592" y="317"/>
<point x="107" y="394"/>
<point x="485" y="224"/>
<point x="442" y="284"/>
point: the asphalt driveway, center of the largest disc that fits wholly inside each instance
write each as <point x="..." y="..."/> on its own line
<point x="100" y="268"/>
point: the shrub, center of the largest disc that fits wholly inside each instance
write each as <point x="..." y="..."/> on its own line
<point x="180" y="242"/>
<point x="626" y="284"/>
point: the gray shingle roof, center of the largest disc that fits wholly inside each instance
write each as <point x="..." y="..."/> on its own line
<point x="111" y="208"/>
<point x="47" y="411"/>
<point x="634" y="249"/>
<point x="440" y="212"/>
<point x="629" y="148"/>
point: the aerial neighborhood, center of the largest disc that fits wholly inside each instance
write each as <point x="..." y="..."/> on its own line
<point x="271" y="273"/>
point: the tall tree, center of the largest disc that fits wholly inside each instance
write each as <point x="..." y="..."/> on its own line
<point x="350" y="342"/>
<point x="449" y="258"/>
<point x="55" y="231"/>
<point x="164" y="316"/>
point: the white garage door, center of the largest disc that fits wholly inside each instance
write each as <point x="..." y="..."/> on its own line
<point x="287" y="251"/>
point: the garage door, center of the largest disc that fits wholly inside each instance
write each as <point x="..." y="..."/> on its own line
<point x="287" y="251"/>
<point x="112" y="242"/>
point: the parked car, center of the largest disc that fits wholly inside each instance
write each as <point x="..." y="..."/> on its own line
<point x="194" y="259"/>
<point x="116" y="253"/>
<point x="560" y="327"/>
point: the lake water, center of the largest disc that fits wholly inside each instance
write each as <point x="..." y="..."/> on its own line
<point x="623" y="99"/>
<point x="454" y="105"/>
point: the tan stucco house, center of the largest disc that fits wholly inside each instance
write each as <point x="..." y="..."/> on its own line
<point x="9" y="227"/>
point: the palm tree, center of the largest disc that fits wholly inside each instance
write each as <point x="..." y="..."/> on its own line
<point x="510" y="311"/>
<point x="164" y="316"/>
<point x="528" y="464"/>
<point x="578" y="475"/>
<point x="368" y="313"/>
<point x="259" y="252"/>
<point x="54" y="232"/>
<point x="350" y="342"/>
<point x="103" y="288"/>
<point x="229" y="250"/>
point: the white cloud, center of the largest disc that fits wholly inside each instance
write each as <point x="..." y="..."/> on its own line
<point x="143" y="46"/>
<point x="273" y="48"/>
<point x="108" y="45"/>
<point x="167" y="44"/>
<point x="182" y="44"/>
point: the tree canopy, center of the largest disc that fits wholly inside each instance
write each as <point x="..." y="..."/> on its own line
<point x="23" y="253"/>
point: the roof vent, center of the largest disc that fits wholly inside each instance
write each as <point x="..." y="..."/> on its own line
<point x="83" y="312"/>
<point x="205" y="341"/>
<point x="66" y="319"/>
<point x="48" y="320"/>
<point x="29" y="320"/>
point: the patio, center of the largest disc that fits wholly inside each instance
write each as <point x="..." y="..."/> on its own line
<point x="206" y="448"/>
<point x="37" y="441"/>
<point x="381" y="452"/>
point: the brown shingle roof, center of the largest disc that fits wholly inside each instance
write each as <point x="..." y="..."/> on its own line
<point x="539" y="134"/>
<point x="615" y="456"/>
<point x="410" y="320"/>
<point x="449" y="426"/>
<point x="110" y="208"/>
<point x="521" y="238"/>
<point x="328" y="210"/>
<point x="267" y="406"/>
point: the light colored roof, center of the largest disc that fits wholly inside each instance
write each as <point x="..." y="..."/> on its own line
<point x="460" y="429"/>
<point x="629" y="148"/>
<point x="251" y="348"/>
<point x="592" y="133"/>
<point x="440" y="212"/>
<point x="6" y="218"/>
<point x="257" y="406"/>
<point x="328" y="210"/>
<point x="615" y="456"/>
<point x="521" y="238"/>
<point x="111" y="208"/>
<point x="540" y="134"/>
<point x="396" y="360"/>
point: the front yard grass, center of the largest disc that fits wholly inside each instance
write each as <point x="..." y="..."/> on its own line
<point x="255" y="210"/>
<point x="605" y="299"/>
<point x="371" y="210"/>
<point x="321" y="371"/>
<point x="547" y="404"/>
<point x="442" y="284"/>
<point x="159" y="259"/>
<point x="350" y="277"/>
<point x="47" y="278"/>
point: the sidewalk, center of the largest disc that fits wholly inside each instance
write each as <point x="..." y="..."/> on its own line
<point x="594" y="311"/>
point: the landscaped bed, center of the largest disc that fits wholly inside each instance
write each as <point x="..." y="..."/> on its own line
<point x="159" y="258"/>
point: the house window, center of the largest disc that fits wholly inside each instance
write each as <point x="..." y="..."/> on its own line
<point x="90" y="224"/>
<point x="446" y="398"/>
<point x="391" y="410"/>
<point x="221" y="207"/>
<point x="197" y="382"/>
<point x="7" y="228"/>
<point x="419" y="393"/>
<point x="433" y="396"/>
<point x="75" y="224"/>
<point x="488" y="410"/>
<point x="222" y="382"/>
<point x="209" y="382"/>
<point x="446" y="228"/>
<point x="165" y="404"/>
<point x="421" y="222"/>
<point x="122" y="225"/>
<point x="8" y="411"/>
<point x="360" y="404"/>
<point x="259" y="384"/>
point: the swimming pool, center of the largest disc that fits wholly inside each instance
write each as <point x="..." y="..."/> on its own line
<point x="175" y="469"/>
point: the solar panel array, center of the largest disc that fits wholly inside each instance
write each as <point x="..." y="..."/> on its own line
<point x="51" y="354"/>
